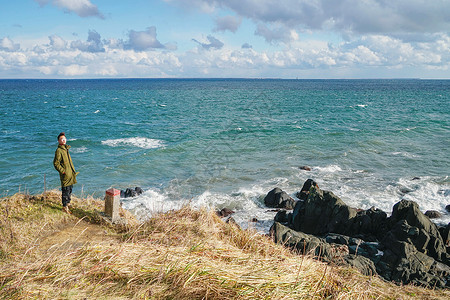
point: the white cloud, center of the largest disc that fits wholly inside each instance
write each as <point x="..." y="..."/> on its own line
<point x="279" y="33"/>
<point x="57" y="43"/>
<point x="212" y="43"/>
<point x="369" y="52"/>
<point x="354" y="16"/>
<point x="73" y="70"/>
<point x="93" y="43"/>
<point x="83" y="8"/>
<point x="143" y="40"/>
<point x="230" y="23"/>
<point x="6" y="44"/>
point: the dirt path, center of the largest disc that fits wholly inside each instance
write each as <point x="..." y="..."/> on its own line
<point x="76" y="235"/>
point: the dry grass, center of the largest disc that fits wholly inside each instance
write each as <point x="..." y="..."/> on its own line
<point x="184" y="254"/>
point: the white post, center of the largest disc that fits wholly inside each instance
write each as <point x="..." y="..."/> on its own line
<point x="112" y="204"/>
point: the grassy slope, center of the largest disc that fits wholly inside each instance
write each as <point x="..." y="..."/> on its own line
<point x="185" y="254"/>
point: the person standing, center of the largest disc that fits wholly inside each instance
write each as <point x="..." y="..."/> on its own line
<point x="67" y="174"/>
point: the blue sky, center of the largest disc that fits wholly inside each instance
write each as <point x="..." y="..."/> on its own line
<point x="224" y="38"/>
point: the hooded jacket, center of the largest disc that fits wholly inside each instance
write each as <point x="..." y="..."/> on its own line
<point x="64" y="165"/>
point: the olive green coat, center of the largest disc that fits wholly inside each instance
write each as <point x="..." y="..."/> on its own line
<point x="64" y="165"/>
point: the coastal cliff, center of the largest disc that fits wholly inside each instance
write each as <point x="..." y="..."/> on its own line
<point x="182" y="254"/>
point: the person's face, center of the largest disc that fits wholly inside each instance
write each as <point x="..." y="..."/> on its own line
<point x="62" y="140"/>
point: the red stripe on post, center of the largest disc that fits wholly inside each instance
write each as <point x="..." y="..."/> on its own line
<point x="112" y="192"/>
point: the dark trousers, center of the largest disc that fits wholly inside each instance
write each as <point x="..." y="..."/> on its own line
<point x="66" y="193"/>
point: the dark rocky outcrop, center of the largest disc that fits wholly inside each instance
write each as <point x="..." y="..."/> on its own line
<point x="447" y="208"/>
<point x="224" y="212"/>
<point x="323" y="212"/>
<point x="427" y="238"/>
<point x="130" y="192"/>
<point x="304" y="192"/>
<point x="305" y="168"/>
<point x="281" y="216"/>
<point x="406" y="247"/>
<point x="433" y="214"/>
<point x="277" y="198"/>
<point x="445" y="234"/>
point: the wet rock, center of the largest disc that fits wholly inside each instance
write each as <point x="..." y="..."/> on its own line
<point x="447" y="208"/>
<point x="224" y="212"/>
<point x="416" y="178"/>
<point x="130" y="192"/>
<point x="433" y="214"/>
<point x="408" y="211"/>
<point x="139" y="190"/>
<point x="281" y="216"/>
<point x="304" y="192"/>
<point x="322" y="212"/>
<point x="279" y="199"/>
<point x="305" y="168"/>
<point x="405" y="190"/>
<point x="254" y="220"/>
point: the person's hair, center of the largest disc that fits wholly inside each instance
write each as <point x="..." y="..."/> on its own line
<point x="61" y="134"/>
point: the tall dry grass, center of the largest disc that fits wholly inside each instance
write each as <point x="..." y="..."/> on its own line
<point x="184" y="254"/>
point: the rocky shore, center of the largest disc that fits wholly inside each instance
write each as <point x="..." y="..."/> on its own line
<point x="406" y="247"/>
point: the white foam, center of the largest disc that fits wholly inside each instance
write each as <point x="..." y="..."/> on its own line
<point x="405" y="154"/>
<point x="140" y="142"/>
<point x="149" y="203"/>
<point x="329" y="169"/>
<point x="79" y="150"/>
<point x="97" y="111"/>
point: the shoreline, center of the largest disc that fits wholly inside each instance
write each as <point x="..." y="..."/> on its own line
<point x="195" y="252"/>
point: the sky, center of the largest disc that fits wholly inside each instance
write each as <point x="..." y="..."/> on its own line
<point x="225" y="39"/>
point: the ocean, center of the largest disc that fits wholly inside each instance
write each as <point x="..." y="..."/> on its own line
<point x="227" y="142"/>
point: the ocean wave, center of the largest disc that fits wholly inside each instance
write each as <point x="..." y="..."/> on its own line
<point x="140" y="142"/>
<point x="79" y="150"/>
<point x="329" y="169"/>
<point x="405" y="154"/>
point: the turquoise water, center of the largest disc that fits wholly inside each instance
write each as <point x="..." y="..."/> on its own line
<point x="228" y="142"/>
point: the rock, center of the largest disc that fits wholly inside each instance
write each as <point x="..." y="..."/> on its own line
<point x="409" y="211"/>
<point x="447" y="208"/>
<point x="281" y="216"/>
<point x="445" y="234"/>
<point x="224" y="212"/>
<point x="337" y="239"/>
<point x="254" y="220"/>
<point x="139" y="190"/>
<point x="130" y="193"/>
<point x="433" y="214"/>
<point x="279" y="199"/>
<point x="306" y="243"/>
<point x="370" y="224"/>
<point x="305" y="168"/>
<point x="304" y="192"/>
<point x="405" y="190"/>
<point x="322" y="212"/>
<point x="361" y="263"/>
<point x="417" y="268"/>
<point x="416" y="178"/>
